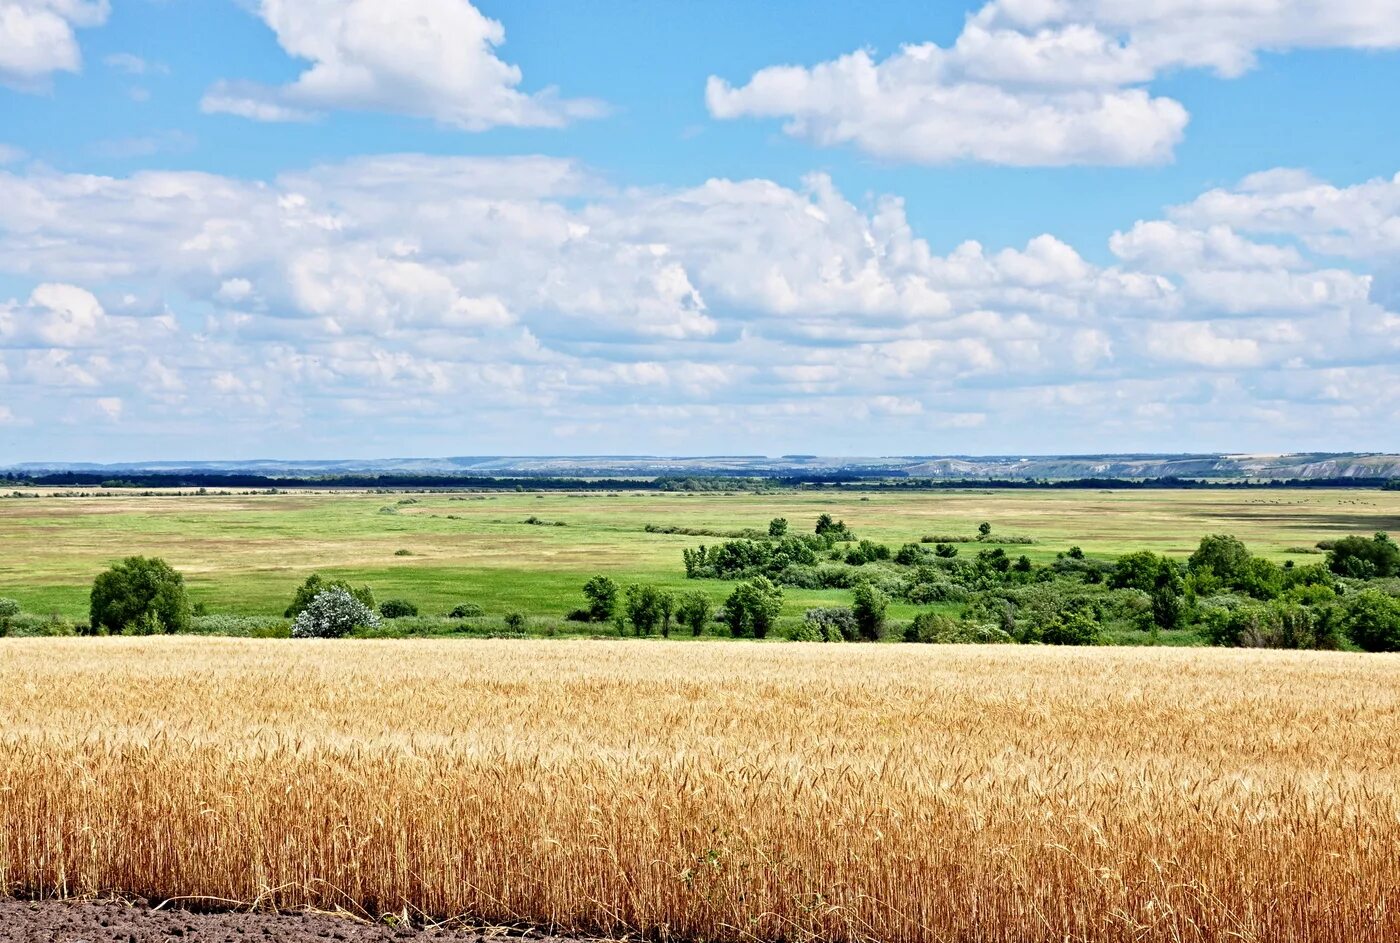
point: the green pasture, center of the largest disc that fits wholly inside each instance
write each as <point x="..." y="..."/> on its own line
<point x="245" y="554"/>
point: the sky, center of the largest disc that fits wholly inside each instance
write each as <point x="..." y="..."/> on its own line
<point x="235" y="229"/>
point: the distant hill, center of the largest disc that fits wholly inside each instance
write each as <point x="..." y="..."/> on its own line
<point x="1305" y="466"/>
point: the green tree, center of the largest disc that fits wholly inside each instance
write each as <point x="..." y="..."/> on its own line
<point x="753" y="607"/>
<point x="142" y="594"/>
<point x="1371" y="619"/>
<point x="601" y="593"/>
<point x="1364" y="558"/>
<point x="1222" y="555"/>
<point x="778" y="527"/>
<point x="1136" y="571"/>
<point x="643" y="606"/>
<point x="693" y="611"/>
<point x="667" y="602"/>
<point x="869" y="605"/>
<point x="315" y="585"/>
<point x="984" y="530"/>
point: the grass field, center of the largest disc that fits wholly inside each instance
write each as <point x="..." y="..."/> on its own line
<point x="246" y="554"/>
<point x="817" y="793"/>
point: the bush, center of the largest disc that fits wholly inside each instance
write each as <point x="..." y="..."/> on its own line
<point x="241" y="626"/>
<point x="29" y="625"/>
<point x="932" y="628"/>
<point x="868" y="606"/>
<point x="397" y="608"/>
<point x="466" y="610"/>
<point x="1371" y="619"/>
<point x="140" y="594"/>
<point x="576" y="615"/>
<point x="333" y="613"/>
<point x="646" y="607"/>
<point x="1273" y="625"/>
<point x="515" y="622"/>
<point x="315" y="585"/>
<point x="836" y="624"/>
<point x="9" y="608"/>
<point x="1365" y="559"/>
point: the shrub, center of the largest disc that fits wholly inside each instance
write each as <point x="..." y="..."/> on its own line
<point x="315" y="585"/>
<point x="403" y="553"/>
<point x="575" y="615"/>
<point x="515" y="622"/>
<point x="9" y="608"/>
<point x="1371" y="619"/>
<point x="140" y="594"/>
<point x="466" y="610"/>
<point x="933" y="628"/>
<point x="836" y="624"/>
<point x="1364" y="558"/>
<point x="1273" y="625"/>
<point x="241" y="626"/>
<point x="778" y="527"/>
<point x="30" y="625"/>
<point x="397" y="608"/>
<point x="333" y="613"/>
<point x="868" y="606"/>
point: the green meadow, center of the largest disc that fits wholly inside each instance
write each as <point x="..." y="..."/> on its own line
<point x="246" y="553"/>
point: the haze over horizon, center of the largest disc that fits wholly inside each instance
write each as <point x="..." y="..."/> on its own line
<point x="439" y="227"/>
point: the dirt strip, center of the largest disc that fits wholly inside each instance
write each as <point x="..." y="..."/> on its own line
<point x="108" y="921"/>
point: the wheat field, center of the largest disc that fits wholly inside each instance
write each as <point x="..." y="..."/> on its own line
<point x="716" y="791"/>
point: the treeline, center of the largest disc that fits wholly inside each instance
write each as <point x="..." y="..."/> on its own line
<point x="884" y="481"/>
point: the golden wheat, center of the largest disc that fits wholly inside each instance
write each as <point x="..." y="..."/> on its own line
<point x="716" y="791"/>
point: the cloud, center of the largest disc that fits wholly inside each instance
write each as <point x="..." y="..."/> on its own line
<point x="133" y="64"/>
<point x="402" y="287"/>
<point x="920" y="105"/>
<point x="37" y="39"/>
<point x="1042" y="82"/>
<point x="431" y="59"/>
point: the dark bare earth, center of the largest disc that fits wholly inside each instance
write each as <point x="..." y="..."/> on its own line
<point x="110" y="921"/>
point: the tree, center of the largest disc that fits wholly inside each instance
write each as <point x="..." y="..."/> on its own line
<point x="1222" y="555"/>
<point x="753" y="607"/>
<point x="1136" y="571"/>
<point x="667" y="603"/>
<point x="515" y="622"/>
<point x="1168" y="599"/>
<point x="869" y="605"/>
<point x="693" y="611"/>
<point x="140" y="593"/>
<point x="643" y="608"/>
<point x="601" y="593"/>
<point x="984" y="530"/>
<point x="316" y="584"/>
<point x="833" y="529"/>
<point x="945" y="551"/>
<point x="333" y="613"/>
<point x="1365" y="559"/>
<point x="1371" y="619"/>
<point x="778" y="527"/>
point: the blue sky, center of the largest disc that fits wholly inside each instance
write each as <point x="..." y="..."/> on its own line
<point x="394" y="227"/>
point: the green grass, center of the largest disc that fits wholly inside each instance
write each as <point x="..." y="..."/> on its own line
<point x="246" y="554"/>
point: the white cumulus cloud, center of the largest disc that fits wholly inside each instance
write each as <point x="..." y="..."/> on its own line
<point x="428" y="58"/>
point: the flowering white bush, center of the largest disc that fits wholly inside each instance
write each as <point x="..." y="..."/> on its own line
<point x="333" y="613"/>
